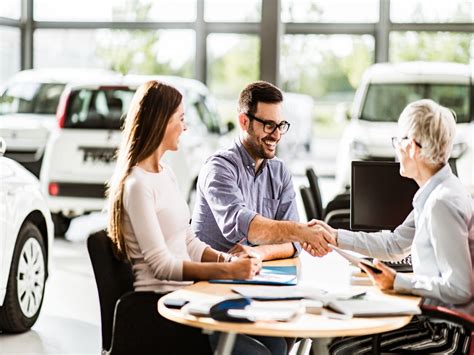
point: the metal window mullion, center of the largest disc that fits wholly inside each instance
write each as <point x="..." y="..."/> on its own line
<point x="271" y="30"/>
<point x="26" y="34"/>
<point x="433" y="27"/>
<point x="330" y="28"/>
<point x="382" y="32"/>
<point x="200" y="72"/>
<point x="115" y="25"/>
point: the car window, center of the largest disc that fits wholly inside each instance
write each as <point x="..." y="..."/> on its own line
<point x="385" y="102"/>
<point x="207" y="114"/>
<point x="40" y="98"/>
<point x="102" y="108"/>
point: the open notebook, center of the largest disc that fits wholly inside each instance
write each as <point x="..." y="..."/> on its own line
<point x="269" y="275"/>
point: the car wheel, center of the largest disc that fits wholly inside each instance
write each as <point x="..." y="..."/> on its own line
<point x="26" y="281"/>
<point x="61" y="224"/>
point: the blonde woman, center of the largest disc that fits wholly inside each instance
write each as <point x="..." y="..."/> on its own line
<point x="439" y="234"/>
<point x="149" y="219"/>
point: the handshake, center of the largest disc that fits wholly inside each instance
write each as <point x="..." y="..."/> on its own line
<point x="316" y="237"/>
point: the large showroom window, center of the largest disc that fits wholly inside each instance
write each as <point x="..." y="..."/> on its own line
<point x="431" y="46"/>
<point x="326" y="67"/>
<point x="9" y="52"/>
<point x="233" y="61"/>
<point x="115" y="10"/>
<point x="232" y="10"/>
<point x="347" y="11"/>
<point x="129" y="51"/>
<point x="431" y="11"/>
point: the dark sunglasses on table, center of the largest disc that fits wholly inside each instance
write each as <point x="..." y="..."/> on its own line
<point x="270" y="126"/>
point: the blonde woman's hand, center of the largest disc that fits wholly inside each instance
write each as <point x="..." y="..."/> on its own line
<point x="385" y="279"/>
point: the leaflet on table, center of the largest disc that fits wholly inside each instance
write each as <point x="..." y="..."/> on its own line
<point x="269" y="275"/>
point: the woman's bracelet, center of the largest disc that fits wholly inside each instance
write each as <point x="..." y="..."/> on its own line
<point x="226" y="258"/>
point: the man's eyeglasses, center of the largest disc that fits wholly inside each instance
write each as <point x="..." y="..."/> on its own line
<point x="270" y="126"/>
<point x="396" y="142"/>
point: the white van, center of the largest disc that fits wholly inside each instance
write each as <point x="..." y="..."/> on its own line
<point x="28" y="103"/>
<point x="80" y="155"/>
<point x="383" y="93"/>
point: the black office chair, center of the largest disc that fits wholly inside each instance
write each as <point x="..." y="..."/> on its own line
<point x="316" y="192"/>
<point x="441" y="313"/>
<point x="337" y="211"/>
<point x="308" y="203"/>
<point x="130" y="320"/>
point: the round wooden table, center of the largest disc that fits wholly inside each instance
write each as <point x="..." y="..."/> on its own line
<point x="305" y="326"/>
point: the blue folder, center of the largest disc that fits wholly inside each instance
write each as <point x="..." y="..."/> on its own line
<point x="269" y="275"/>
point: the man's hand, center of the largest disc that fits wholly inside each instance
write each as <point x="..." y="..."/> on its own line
<point x="385" y="280"/>
<point x="320" y="236"/>
<point x="325" y="235"/>
<point x="243" y="251"/>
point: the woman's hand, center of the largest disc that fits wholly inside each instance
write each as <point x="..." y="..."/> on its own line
<point x="384" y="280"/>
<point x="245" y="268"/>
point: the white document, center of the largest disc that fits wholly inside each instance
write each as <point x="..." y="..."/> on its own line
<point x="269" y="311"/>
<point x="373" y="308"/>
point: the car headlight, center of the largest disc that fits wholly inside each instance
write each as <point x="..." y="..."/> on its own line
<point x="359" y="149"/>
<point x="458" y="150"/>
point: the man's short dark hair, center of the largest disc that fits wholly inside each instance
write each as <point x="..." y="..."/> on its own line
<point x="258" y="91"/>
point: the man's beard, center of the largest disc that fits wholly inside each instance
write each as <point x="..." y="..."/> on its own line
<point x="256" y="146"/>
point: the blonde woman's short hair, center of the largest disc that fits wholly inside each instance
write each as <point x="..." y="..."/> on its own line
<point x="433" y="126"/>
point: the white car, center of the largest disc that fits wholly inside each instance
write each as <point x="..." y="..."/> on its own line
<point x="383" y="93"/>
<point x="80" y="154"/>
<point x="26" y="238"/>
<point x="298" y="110"/>
<point x="28" y="103"/>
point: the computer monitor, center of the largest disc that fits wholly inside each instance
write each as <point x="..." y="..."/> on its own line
<point x="381" y="199"/>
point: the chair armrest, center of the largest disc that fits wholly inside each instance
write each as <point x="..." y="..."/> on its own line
<point x="444" y="313"/>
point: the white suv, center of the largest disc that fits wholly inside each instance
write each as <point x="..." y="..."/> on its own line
<point x="28" y="103"/>
<point x="80" y="154"/>
<point x="383" y="93"/>
<point x="26" y="237"/>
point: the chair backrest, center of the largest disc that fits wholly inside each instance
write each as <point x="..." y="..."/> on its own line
<point x="337" y="213"/>
<point x="113" y="277"/>
<point x="316" y="192"/>
<point x="308" y="203"/>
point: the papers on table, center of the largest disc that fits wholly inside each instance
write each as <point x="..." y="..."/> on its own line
<point x="269" y="311"/>
<point x="373" y="308"/>
<point x="269" y="275"/>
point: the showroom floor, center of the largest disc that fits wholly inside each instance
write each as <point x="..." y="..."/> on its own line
<point x="69" y="322"/>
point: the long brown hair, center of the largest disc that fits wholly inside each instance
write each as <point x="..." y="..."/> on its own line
<point x="150" y="111"/>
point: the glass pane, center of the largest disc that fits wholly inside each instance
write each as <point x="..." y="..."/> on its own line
<point x="431" y="11"/>
<point x="430" y="46"/>
<point x="233" y="62"/>
<point x="233" y="10"/>
<point x="115" y="10"/>
<point x="385" y="102"/>
<point x="142" y="52"/>
<point x="348" y="11"/>
<point x="328" y="68"/>
<point x="31" y="98"/>
<point x="11" y="9"/>
<point x="98" y="109"/>
<point x="9" y="52"/>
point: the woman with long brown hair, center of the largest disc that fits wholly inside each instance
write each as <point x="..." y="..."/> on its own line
<point x="149" y="218"/>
